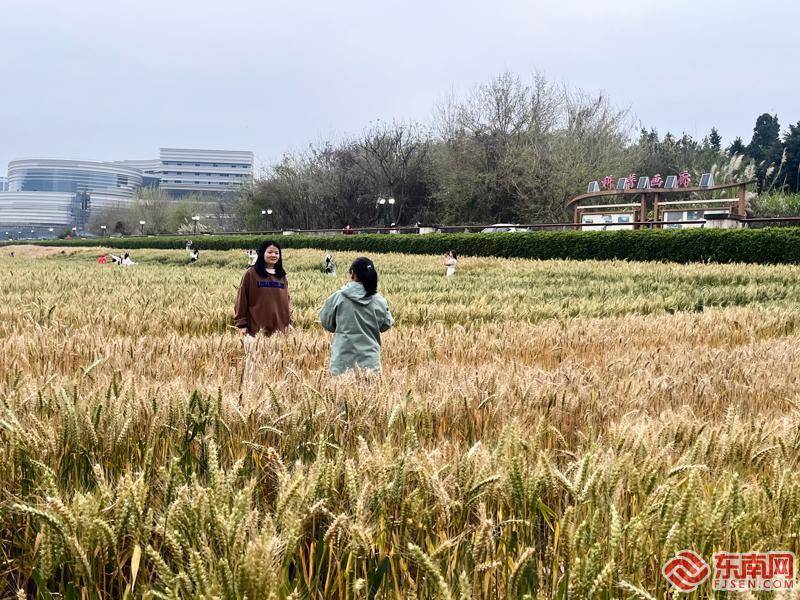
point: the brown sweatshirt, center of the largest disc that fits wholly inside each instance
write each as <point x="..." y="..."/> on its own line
<point x="263" y="304"/>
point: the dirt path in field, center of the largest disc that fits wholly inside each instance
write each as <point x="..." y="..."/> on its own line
<point x="30" y="251"/>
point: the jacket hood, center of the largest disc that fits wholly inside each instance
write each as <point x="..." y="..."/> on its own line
<point x="355" y="291"/>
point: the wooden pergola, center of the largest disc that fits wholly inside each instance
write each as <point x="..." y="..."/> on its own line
<point x="660" y="199"/>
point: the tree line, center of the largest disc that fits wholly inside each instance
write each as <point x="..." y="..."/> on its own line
<point x="508" y="151"/>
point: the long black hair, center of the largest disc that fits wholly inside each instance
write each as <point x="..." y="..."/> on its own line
<point x="365" y="273"/>
<point x="261" y="266"/>
<point x="453" y="254"/>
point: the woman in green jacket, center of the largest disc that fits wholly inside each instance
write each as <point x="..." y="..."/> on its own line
<point x="357" y="315"/>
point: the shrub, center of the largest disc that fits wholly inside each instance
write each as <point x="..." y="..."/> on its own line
<point x="767" y="245"/>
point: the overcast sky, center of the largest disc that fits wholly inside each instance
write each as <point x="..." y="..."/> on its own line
<point x="108" y="80"/>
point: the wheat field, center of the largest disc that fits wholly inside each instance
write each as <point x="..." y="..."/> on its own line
<point x="541" y="429"/>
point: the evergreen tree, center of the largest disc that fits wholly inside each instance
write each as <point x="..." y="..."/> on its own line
<point x="765" y="147"/>
<point x="765" y="144"/>
<point x="715" y="139"/>
<point x="791" y="143"/>
<point x="737" y="147"/>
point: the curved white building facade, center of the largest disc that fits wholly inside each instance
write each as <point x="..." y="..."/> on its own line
<point x="58" y="193"/>
<point x="55" y="193"/>
<point x="37" y="175"/>
<point x="36" y="209"/>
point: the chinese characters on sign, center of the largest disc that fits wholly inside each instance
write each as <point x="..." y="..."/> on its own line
<point x="733" y="571"/>
<point x="763" y="571"/>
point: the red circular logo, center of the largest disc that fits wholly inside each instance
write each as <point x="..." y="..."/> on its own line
<point x="686" y="570"/>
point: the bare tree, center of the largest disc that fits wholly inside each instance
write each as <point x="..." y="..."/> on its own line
<point x="512" y="151"/>
<point x="394" y="159"/>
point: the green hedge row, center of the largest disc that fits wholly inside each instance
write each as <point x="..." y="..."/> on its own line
<point x="768" y="245"/>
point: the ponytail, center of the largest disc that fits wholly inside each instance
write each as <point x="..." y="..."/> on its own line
<point x="366" y="275"/>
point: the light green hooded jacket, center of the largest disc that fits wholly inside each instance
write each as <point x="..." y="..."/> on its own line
<point x="356" y="320"/>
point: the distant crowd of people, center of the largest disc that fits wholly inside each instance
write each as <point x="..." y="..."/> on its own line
<point x="123" y="260"/>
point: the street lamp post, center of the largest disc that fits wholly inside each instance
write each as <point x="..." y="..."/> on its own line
<point x="141" y="225"/>
<point x="390" y="202"/>
<point x="265" y="213"/>
<point x="103" y="230"/>
<point x="74" y="231"/>
<point x="196" y="220"/>
<point x="381" y="202"/>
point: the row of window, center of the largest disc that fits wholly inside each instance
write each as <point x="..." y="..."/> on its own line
<point x="206" y="174"/>
<point x="206" y="164"/>
<point x="57" y="180"/>
<point x="185" y="182"/>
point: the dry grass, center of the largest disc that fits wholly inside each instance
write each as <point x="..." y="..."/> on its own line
<point x="554" y="429"/>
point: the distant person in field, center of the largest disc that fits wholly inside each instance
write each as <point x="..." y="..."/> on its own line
<point x="450" y="261"/>
<point x="252" y="256"/>
<point x="357" y="315"/>
<point x="263" y="303"/>
<point x="330" y="266"/>
<point x="347" y="230"/>
<point x="127" y="261"/>
<point x="102" y="260"/>
<point x="190" y="250"/>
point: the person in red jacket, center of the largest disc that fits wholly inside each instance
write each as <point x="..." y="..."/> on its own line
<point x="102" y="260"/>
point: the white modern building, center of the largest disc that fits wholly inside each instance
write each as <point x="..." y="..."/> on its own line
<point x="182" y="171"/>
<point x="63" y="193"/>
<point x="45" y="193"/>
<point x="186" y="170"/>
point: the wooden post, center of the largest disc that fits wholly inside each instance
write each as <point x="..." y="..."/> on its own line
<point x="656" y="198"/>
<point x="576" y="216"/>
<point x="643" y="210"/>
<point x="742" y="193"/>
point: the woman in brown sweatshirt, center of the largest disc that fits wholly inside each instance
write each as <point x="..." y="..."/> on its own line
<point x="263" y="302"/>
